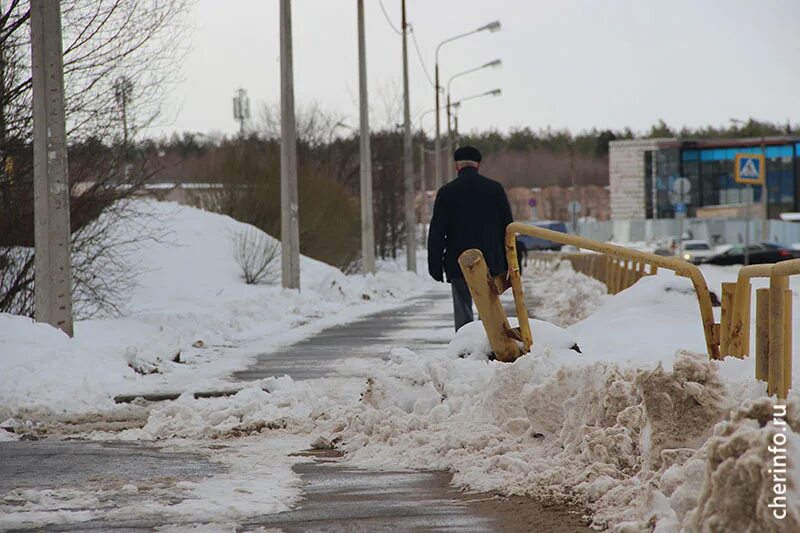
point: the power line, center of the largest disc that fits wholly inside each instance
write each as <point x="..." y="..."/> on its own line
<point x="414" y="39"/>
<point x="419" y="56"/>
<point x="388" y="20"/>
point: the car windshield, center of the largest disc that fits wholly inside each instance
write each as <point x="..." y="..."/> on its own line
<point x="696" y="246"/>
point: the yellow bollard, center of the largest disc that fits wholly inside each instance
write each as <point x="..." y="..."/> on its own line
<point x="630" y="274"/>
<point x="621" y="276"/>
<point x="728" y="292"/>
<point x="777" y="286"/>
<point x="787" y="343"/>
<point x="762" y="334"/>
<point x="490" y="310"/>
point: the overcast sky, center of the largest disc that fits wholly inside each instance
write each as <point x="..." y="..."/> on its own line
<point x="573" y="64"/>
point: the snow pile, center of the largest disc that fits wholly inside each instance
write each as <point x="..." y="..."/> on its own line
<point x="729" y="484"/>
<point x="471" y="340"/>
<point x="561" y="295"/>
<point x="189" y="321"/>
<point x="636" y="446"/>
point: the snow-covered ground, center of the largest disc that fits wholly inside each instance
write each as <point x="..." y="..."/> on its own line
<point x="189" y="321"/>
<point x="640" y="427"/>
<point x="647" y="433"/>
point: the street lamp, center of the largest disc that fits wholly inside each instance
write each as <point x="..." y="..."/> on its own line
<point x="456" y="105"/>
<point x="492" y="27"/>
<point x="497" y="63"/>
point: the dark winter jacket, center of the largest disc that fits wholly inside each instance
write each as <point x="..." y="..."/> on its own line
<point x="471" y="211"/>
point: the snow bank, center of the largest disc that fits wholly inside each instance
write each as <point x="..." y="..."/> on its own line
<point x="190" y="320"/>
<point x="561" y="295"/>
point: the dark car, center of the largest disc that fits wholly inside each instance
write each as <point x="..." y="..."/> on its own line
<point x="765" y="252"/>
<point x="535" y="243"/>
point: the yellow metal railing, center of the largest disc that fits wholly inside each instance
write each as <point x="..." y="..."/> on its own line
<point x="619" y="268"/>
<point x="773" y="323"/>
<point x="623" y="277"/>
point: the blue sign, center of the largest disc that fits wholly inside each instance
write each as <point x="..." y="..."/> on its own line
<point x="680" y="207"/>
<point x="749" y="169"/>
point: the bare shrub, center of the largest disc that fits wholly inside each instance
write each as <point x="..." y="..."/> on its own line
<point x="257" y="254"/>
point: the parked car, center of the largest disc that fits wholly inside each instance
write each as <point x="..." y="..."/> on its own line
<point x="535" y="243"/>
<point x="765" y="252"/>
<point x="696" y="250"/>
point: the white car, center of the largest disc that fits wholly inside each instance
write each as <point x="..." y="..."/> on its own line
<point x="695" y="251"/>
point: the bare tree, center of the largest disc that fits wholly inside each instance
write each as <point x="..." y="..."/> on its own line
<point x="316" y="127"/>
<point x="104" y="41"/>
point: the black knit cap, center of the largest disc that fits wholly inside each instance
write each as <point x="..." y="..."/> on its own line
<point x="467" y="153"/>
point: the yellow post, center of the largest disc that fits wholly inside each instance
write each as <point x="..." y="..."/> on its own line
<point x="626" y="275"/>
<point x="490" y="310"/>
<point x="515" y="280"/>
<point x="620" y="278"/>
<point x="777" y="286"/>
<point x="740" y="319"/>
<point x="762" y="334"/>
<point x="728" y="292"/>
<point x="787" y="343"/>
<point x="597" y="261"/>
<point x="629" y="273"/>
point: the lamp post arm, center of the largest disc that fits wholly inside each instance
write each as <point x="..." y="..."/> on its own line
<point x="462" y="74"/>
<point x="451" y="39"/>
<point x="474" y="96"/>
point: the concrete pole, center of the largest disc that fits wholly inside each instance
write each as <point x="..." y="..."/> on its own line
<point x="53" y="268"/>
<point x="449" y="131"/>
<point x="367" y="231"/>
<point x="290" y="228"/>
<point x="765" y="194"/>
<point x="437" y="146"/>
<point x="408" y="159"/>
<point x="424" y="189"/>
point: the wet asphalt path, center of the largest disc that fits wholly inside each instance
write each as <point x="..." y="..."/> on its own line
<point x="424" y="325"/>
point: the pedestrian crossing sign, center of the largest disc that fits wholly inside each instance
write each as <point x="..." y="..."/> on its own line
<point x="750" y="169"/>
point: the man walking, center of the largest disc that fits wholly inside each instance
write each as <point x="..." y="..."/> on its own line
<point x="472" y="211"/>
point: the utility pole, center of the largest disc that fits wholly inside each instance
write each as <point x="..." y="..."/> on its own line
<point x="408" y="159"/>
<point x="290" y="228"/>
<point x="367" y="231"/>
<point x="765" y="191"/>
<point x="450" y="147"/>
<point x="123" y="88"/>
<point x="53" y="268"/>
<point x="437" y="143"/>
<point x="424" y="190"/>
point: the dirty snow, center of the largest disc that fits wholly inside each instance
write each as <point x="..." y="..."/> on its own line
<point x="189" y="321"/>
